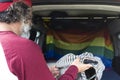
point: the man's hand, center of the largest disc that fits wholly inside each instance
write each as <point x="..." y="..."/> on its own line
<point x="55" y="71"/>
<point x="81" y="67"/>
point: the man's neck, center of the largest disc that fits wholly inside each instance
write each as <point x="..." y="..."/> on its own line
<point x="5" y="27"/>
<point x="14" y="27"/>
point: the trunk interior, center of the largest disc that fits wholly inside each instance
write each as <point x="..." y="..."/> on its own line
<point x="60" y="32"/>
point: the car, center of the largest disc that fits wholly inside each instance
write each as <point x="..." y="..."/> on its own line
<point x="77" y="26"/>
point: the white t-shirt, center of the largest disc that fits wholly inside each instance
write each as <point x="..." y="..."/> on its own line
<point x="5" y="73"/>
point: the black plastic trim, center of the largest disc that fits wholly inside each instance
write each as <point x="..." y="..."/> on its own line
<point x="99" y="3"/>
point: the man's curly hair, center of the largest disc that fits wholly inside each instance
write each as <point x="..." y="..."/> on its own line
<point x="15" y="13"/>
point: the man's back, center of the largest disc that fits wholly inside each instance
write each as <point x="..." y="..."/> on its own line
<point x="24" y="57"/>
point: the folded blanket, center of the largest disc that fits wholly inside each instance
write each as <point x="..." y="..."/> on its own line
<point x="77" y="41"/>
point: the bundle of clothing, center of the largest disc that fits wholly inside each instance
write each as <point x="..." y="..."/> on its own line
<point x="94" y="73"/>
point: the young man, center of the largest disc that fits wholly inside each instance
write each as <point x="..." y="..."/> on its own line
<point x="24" y="57"/>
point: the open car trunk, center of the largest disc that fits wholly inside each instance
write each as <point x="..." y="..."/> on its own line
<point x="76" y="28"/>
